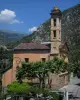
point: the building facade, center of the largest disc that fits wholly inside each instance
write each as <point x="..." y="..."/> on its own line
<point x="32" y="52"/>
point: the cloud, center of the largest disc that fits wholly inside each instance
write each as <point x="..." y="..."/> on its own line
<point x="32" y="29"/>
<point x="9" y="17"/>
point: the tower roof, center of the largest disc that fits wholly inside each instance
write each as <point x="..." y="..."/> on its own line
<point x="56" y="8"/>
<point x="56" y="12"/>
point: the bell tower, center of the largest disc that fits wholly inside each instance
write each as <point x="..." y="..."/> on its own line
<point x="55" y="30"/>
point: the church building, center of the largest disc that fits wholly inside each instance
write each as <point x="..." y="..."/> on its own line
<point x="32" y="52"/>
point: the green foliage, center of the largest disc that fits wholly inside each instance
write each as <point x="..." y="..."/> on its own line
<point x="57" y="65"/>
<point x="11" y="45"/>
<point x="27" y="70"/>
<point x="56" y="96"/>
<point x="9" y="36"/>
<point x="40" y="70"/>
<point x="18" y="88"/>
<point x="3" y="51"/>
<point x="47" y="92"/>
<point x="21" y="89"/>
<point x="44" y="91"/>
<point x="5" y="59"/>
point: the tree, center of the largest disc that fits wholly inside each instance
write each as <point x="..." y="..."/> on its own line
<point x="41" y="70"/>
<point x="5" y="62"/>
<point x="5" y="59"/>
<point x="3" y="56"/>
<point x="33" y="70"/>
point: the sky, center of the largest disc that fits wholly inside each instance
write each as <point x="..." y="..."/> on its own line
<point x="26" y="15"/>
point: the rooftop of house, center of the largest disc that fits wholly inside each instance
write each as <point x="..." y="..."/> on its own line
<point x="37" y="46"/>
<point x="31" y="46"/>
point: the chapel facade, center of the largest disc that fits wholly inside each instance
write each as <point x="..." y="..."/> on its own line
<point x="32" y="52"/>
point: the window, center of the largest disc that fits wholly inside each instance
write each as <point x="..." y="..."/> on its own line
<point x="43" y="59"/>
<point x="54" y="22"/>
<point x="26" y="59"/>
<point x="54" y="33"/>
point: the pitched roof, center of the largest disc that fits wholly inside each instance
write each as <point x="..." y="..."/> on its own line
<point x="31" y="46"/>
<point x="63" y="44"/>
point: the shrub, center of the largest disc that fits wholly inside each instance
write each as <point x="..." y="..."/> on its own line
<point x="29" y="90"/>
<point x="18" y="88"/>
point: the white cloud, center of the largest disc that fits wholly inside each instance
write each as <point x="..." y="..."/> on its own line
<point x="16" y="21"/>
<point x="32" y="29"/>
<point x="9" y="17"/>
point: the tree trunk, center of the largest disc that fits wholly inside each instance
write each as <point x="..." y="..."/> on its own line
<point x="43" y="84"/>
<point x="49" y="81"/>
<point x="40" y="82"/>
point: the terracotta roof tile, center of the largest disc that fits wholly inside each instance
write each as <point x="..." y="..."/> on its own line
<point x="29" y="46"/>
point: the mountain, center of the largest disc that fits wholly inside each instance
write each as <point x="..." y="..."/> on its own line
<point x="70" y="32"/>
<point x="70" y="27"/>
<point x="7" y="36"/>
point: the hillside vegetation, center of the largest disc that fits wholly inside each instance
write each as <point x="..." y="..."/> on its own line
<point x="7" y="36"/>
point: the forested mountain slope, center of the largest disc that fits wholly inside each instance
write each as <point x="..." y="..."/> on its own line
<point x="7" y="36"/>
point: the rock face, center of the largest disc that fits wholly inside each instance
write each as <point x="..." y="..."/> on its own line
<point x="71" y="30"/>
<point x="70" y="27"/>
<point x="71" y="24"/>
<point x="42" y="33"/>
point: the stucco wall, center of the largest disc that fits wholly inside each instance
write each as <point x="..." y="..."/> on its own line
<point x="7" y="78"/>
<point x="10" y="75"/>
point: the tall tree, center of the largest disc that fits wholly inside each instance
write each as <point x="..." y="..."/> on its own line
<point x="33" y="70"/>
